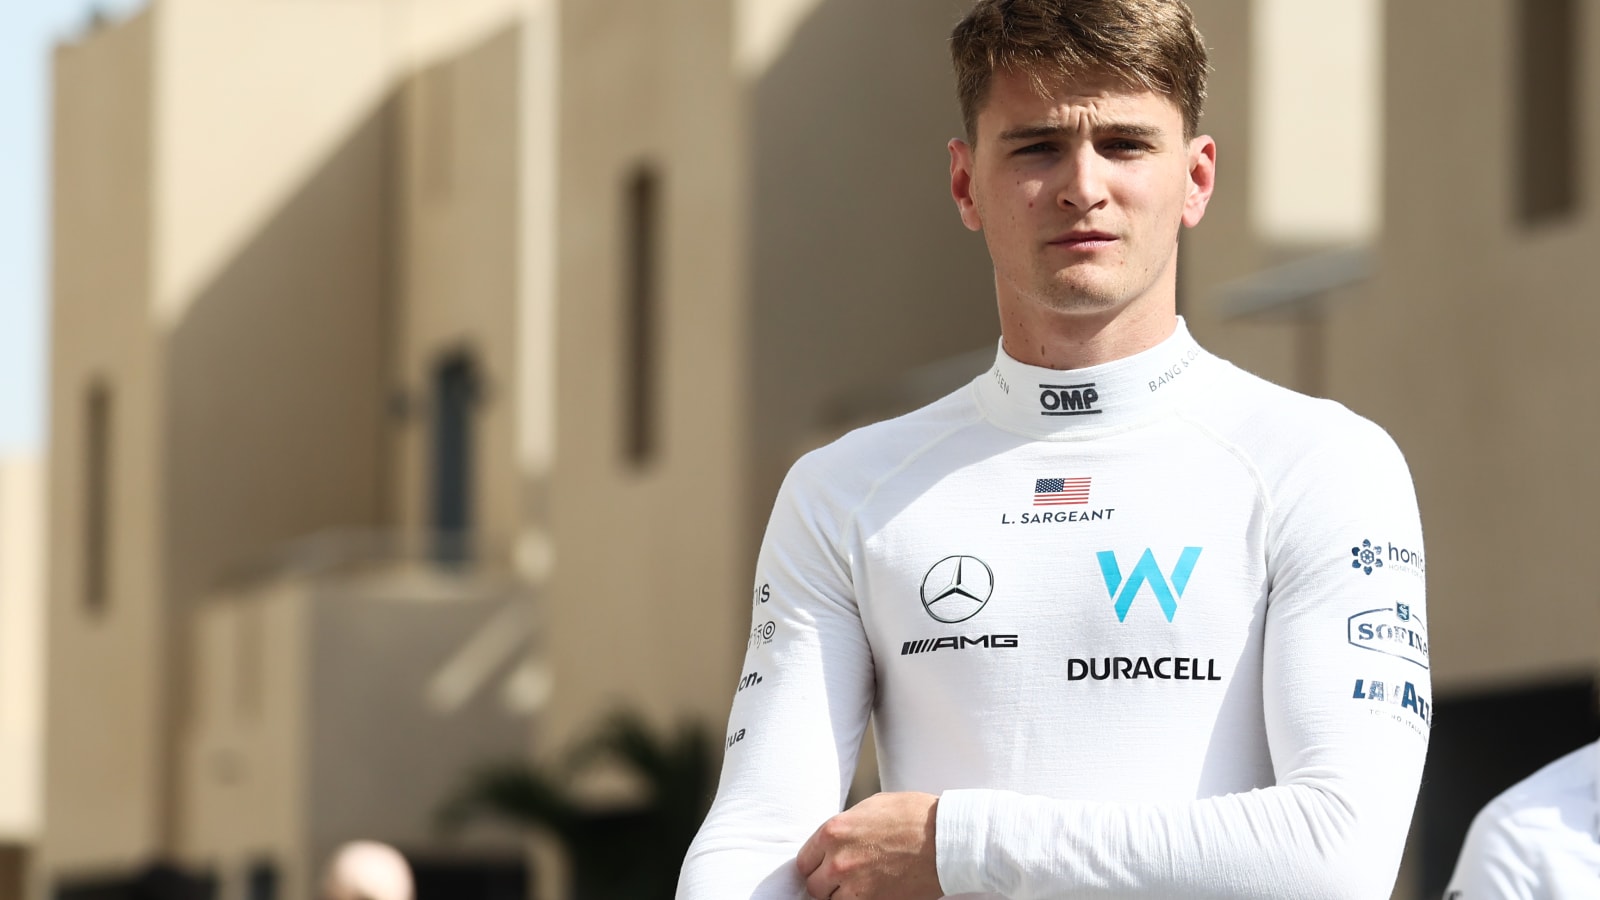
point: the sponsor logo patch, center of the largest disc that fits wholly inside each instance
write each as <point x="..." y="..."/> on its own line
<point x="1395" y="632"/>
<point x="1145" y="572"/>
<point x="1068" y="400"/>
<point x="1402" y="701"/>
<point x="1130" y="668"/>
<point x="1369" y="556"/>
<point x="959" y="642"/>
<point x="956" y="588"/>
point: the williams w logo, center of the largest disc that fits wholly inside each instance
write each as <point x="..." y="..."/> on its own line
<point x="1146" y="571"/>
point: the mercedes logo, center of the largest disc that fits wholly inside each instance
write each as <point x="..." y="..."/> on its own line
<point x="956" y="588"/>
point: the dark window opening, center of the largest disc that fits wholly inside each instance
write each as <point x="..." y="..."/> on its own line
<point x="455" y="393"/>
<point x="97" y="497"/>
<point x="1547" y="109"/>
<point x="641" y="315"/>
<point x="261" y="883"/>
<point x="1471" y="760"/>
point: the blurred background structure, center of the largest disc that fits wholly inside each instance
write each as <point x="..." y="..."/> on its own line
<point x="422" y="371"/>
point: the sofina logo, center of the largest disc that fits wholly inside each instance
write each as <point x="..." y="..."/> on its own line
<point x="1396" y="632"/>
<point x="1145" y="571"/>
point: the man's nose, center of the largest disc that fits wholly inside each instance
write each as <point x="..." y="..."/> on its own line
<point x="1083" y="184"/>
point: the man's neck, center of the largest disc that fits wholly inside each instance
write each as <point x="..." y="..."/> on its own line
<point x="1054" y="340"/>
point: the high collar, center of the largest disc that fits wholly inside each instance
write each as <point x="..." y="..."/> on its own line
<point x="1072" y="403"/>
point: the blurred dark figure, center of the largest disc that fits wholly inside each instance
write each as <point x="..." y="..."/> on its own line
<point x="631" y="853"/>
<point x="162" y="881"/>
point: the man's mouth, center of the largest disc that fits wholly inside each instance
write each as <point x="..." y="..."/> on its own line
<point x="1084" y="240"/>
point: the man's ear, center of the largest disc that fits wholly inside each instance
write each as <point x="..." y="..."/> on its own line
<point x="961" y="169"/>
<point x="1202" y="178"/>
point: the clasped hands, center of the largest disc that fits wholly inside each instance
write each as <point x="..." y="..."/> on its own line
<point x="880" y="849"/>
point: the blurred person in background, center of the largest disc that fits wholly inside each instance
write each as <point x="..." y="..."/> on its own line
<point x="1540" y="840"/>
<point x="1129" y="621"/>
<point x="367" y="870"/>
<point x="164" y="881"/>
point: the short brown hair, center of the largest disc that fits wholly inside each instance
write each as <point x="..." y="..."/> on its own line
<point x="1152" y="44"/>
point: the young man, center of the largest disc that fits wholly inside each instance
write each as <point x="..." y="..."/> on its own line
<point x="1129" y="621"/>
<point x="1540" y="840"/>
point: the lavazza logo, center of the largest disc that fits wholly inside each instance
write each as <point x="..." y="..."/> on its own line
<point x="1402" y="701"/>
<point x="1068" y="400"/>
<point x="1370" y="556"/>
<point x="955" y="589"/>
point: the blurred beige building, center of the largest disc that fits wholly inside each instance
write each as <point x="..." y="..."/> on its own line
<point x="423" y="369"/>
<point x="22" y="527"/>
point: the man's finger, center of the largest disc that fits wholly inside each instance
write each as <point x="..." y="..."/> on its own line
<point x="820" y="886"/>
<point x="811" y="855"/>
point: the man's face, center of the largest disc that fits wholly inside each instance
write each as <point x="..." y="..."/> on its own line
<point x="1080" y="194"/>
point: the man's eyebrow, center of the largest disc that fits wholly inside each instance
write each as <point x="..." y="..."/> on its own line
<point x="1121" y="129"/>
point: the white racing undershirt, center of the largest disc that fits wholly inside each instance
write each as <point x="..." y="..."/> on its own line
<point x="1150" y="629"/>
<point x="1540" y="840"/>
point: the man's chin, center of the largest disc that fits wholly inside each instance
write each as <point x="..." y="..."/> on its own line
<point x="1080" y="299"/>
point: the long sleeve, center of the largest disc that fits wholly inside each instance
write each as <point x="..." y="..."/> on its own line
<point x="1345" y="690"/>
<point x="799" y="710"/>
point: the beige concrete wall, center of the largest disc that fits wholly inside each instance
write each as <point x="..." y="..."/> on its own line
<point x="245" y="756"/>
<point x="271" y="271"/>
<point x="344" y="707"/>
<point x="458" y="133"/>
<point x="1318" y="138"/>
<point x="1228" y="244"/>
<point x="276" y="356"/>
<point x="859" y="266"/>
<point x="647" y="596"/>
<point x="1473" y="348"/>
<point x="22" y="596"/>
<point x="412" y="684"/>
<point x="104" y="707"/>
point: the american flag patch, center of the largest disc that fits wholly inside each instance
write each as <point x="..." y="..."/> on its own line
<point x="1061" y="492"/>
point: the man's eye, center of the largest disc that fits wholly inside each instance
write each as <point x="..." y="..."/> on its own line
<point x="1036" y="148"/>
<point x="1124" y="147"/>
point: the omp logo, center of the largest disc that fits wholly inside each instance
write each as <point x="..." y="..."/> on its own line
<point x="1145" y="571"/>
<point x="1068" y="399"/>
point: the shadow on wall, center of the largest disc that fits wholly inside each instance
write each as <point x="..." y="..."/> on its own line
<point x="860" y="267"/>
<point x="276" y="373"/>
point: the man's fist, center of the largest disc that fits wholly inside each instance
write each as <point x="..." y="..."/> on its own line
<point x="880" y="849"/>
